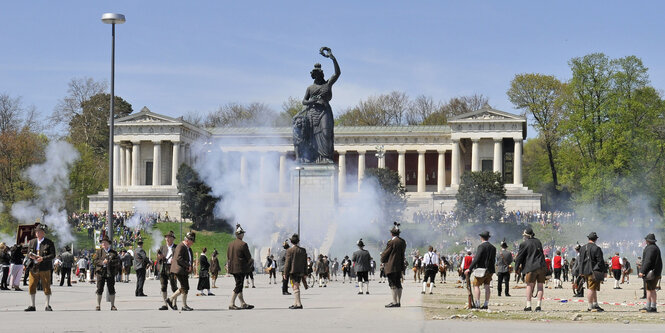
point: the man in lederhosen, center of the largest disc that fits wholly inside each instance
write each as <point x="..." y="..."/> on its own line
<point x="181" y="265"/>
<point x="42" y="252"/>
<point x="361" y="260"/>
<point x="295" y="266"/>
<point x="430" y="264"/>
<point x="651" y="270"/>
<point x="165" y="256"/>
<point x="594" y="270"/>
<point x="240" y="263"/>
<point x="530" y="260"/>
<point x="393" y="259"/>
<point x="485" y="259"/>
<point x="107" y="264"/>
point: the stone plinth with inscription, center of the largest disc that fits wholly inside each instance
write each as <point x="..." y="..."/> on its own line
<point x="318" y="199"/>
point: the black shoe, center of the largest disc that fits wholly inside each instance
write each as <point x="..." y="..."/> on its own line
<point x="286" y="293"/>
<point x="173" y="307"/>
<point x="48" y="308"/>
<point x="142" y="295"/>
<point x="247" y="307"/>
<point x="484" y="307"/>
<point x="30" y="308"/>
<point x="360" y="293"/>
<point x="643" y="297"/>
<point x="187" y="308"/>
<point x="528" y="308"/>
<point x="652" y="310"/>
<point x="499" y="294"/>
<point x="644" y="309"/>
<point x="211" y="294"/>
<point x="599" y="309"/>
<point x="163" y="307"/>
<point x="537" y="309"/>
<point x="422" y="292"/>
<point x="367" y="293"/>
<point x="295" y="307"/>
<point x="391" y="305"/>
<point x="507" y="295"/>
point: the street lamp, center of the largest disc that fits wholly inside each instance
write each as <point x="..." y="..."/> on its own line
<point x="112" y="19"/>
<point x="180" y="194"/>
<point x="299" y="169"/>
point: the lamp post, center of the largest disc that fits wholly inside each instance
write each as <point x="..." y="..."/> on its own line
<point x="180" y="194"/>
<point x="299" y="169"/>
<point x="112" y="19"/>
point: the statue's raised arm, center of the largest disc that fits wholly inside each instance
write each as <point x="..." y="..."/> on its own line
<point x="326" y="52"/>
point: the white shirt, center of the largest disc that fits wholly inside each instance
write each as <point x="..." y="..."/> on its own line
<point x="430" y="258"/>
<point x="39" y="242"/>
<point x="169" y="254"/>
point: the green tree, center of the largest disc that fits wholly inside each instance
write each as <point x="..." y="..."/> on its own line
<point x="91" y="125"/>
<point x="480" y="197"/>
<point x="197" y="203"/>
<point x="89" y="175"/>
<point x="289" y="109"/>
<point x="393" y="194"/>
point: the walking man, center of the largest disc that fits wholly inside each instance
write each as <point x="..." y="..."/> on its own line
<point x="42" y="252"/>
<point x="530" y="260"/>
<point x="651" y="270"/>
<point x="393" y="259"/>
<point x="66" y="268"/>
<point x="361" y="262"/>
<point x="106" y="264"/>
<point x="557" y="264"/>
<point x="483" y="264"/>
<point x="503" y="262"/>
<point x="295" y="266"/>
<point x="240" y="263"/>
<point x="140" y="261"/>
<point x="617" y="265"/>
<point x="181" y="267"/>
<point x="430" y="263"/>
<point x="165" y="256"/>
<point x="282" y="263"/>
<point x="594" y="270"/>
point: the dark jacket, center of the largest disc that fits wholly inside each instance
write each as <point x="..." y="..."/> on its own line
<point x="46" y="251"/>
<point x="239" y="258"/>
<point x="485" y="257"/>
<point x="651" y="259"/>
<point x="214" y="265"/>
<point x="181" y="261"/>
<point x="361" y="258"/>
<point x="530" y="256"/>
<point x="393" y="256"/>
<point x="591" y="260"/>
<point x="16" y="256"/>
<point x="140" y="258"/>
<point x="67" y="259"/>
<point x="503" y="261"/>
<point x="204" y="265"/>
<point x="296" y="261"/>
<point x="164" y="249"/>
<point x="112" y="265"/>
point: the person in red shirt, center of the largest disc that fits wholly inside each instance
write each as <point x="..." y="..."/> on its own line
<point x="466" y="262"/>
<point x="557" y="265"/>
<point x="548" y="275"/>
<point x="616" y="269"/>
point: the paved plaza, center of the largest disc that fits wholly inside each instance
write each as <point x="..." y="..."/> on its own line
<point x="336" y="308"/>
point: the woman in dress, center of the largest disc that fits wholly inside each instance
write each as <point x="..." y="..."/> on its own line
<point x="204" y="280"/>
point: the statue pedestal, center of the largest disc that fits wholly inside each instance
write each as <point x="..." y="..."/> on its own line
<point x="317" y="185"/>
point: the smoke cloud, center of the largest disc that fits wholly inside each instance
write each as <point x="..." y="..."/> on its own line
<point x="51" y="180"/>
<point x="143" y="220"/>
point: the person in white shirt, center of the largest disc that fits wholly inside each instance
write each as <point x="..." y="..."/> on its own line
<point x="431" y="265"/>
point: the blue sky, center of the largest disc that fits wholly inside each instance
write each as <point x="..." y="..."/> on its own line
<point x="177" y="57"/>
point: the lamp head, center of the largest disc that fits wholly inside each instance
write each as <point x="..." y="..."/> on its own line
<point x="113" y="18"/>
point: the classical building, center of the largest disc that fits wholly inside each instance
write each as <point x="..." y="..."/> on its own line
<point x="430" y="159"/>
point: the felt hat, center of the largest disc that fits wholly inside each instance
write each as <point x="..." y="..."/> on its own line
<point x="105" y="238"/>
<point x="170" y="234"/>
<point x="191" y="236"/>
<point x="485" y="234"/>
<point x="295" y="239"/>
<point x="395" y="229"/>
<point x="239" y="229"/>
<point x="650" y="238"/>
<point x="360" y="243"/>
<point x="592" y="236"/>
<point x="528" y="232"/>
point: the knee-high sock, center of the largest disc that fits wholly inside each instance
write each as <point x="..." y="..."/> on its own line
<point x="184" y="299"/>
<point x="424" y="286"/>
<point x="48" y="300"/>
<point x="296" y="294"/>
<point x="32" y="299"/>
<point x="431" y="285"/>
<point x="175" y="295"/>
<point x="367" y="286"/>
<point x="233" y="299"/>
<point x="242" y="300"/>
<point x="99" y="300"/>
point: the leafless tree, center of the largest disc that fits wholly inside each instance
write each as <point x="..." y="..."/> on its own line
<point x="421" y="108"/>
<point x="79" y="90"/>
<point x="14" y="116"/>
<point x="234" y="114"/>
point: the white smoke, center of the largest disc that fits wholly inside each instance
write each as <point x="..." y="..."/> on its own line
<point x="143" y="220"/>
<point x="51" y="180"/>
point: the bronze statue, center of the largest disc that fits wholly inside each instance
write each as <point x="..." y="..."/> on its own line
<point x="313" y="135"/>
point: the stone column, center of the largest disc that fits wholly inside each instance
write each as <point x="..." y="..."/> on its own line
<point x="498" y="145"/>
<point x="361" y="167"/>
<point x="341" y="178"/>
<point x="517" y="178"/>
<point x="122" y="166"/>
<point x="262" y="173"/>
<point x="136" y="160"/>
<point x="243" y="170"/>
<point x="282" y="173"/>
<point x="401" y="166"/>
<point x="475" y="158"/>
<point x="421" y="171"/>
<point x="441" y="172"/>
<point x="156" y="163"/>
<point x="128" y="165"/>
<point x="175" y="163"/>
<point x="116" y="165"/>
<point x="454" y="164"/>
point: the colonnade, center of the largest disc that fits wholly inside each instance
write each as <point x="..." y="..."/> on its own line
<point x="127" y="162"/>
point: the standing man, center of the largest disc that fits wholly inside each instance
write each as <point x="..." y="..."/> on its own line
<point x="578" y="279"/>
<point x="361" y="262"/>
<point x="127" y="262"/>
<point x="530" y="260"/>
<point x="417" y="262"/>
<point x="346" y="269"/>
<point x="240" y="263"/>
<point x="107" y="263"/>
<point x="82" y="265"/>
<point x="483" y="263"/>
<point x="66" y="268"/>
<point x="282" y="262"/>
<point x="503" y="262"/>
<point x="42" y="251"/>
<point x="393" y="259"/>
<point x="430" y="264"/>
<point x="557" y="264"/>
<point x="335" y="268"/>
<point x="165" y="256"/>
<point x="295" y="266"/>
<point x="594" y="270"/>
<point x="617" y="265"/>
<point x="140" y="260"/>
<point x="651" y="270"/>
<point x="181" y="266"/>
<point x="322" y="271"/>
<point x="272" y="269"/>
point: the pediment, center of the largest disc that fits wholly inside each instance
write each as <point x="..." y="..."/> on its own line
<point x="487" y="114"/>
<point x="147" y="116"/>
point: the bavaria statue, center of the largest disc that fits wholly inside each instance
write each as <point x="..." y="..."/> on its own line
<point x="313" y="135"/>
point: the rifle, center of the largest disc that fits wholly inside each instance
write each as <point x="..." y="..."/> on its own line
<point x="468" y="287"/>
